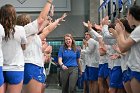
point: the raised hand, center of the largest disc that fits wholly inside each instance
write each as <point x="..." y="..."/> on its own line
<point x="52" y="11"/>
<point x="115" y="47"/>
<point x="113" y="32"/>
<point x="119" y="28"/>
<point x="62" y="17"/>
<point x="85" y="24"/>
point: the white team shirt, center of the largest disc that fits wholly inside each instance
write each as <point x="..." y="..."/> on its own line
<point x="134" y="56"/>
<point x="2" y="34"/>
<point x="83" y="61"/>
<point x="33" y="53"/>
<point x="92" y="56"/>
<point x="12" y="51"/>
<point x="124" y="61"/>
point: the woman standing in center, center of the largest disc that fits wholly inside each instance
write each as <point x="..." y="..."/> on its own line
<point x="68" y="58"/>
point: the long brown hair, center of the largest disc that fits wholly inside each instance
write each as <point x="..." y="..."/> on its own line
<point x="8" y="20"/>
<point x="23" y="19"/>
<point x="73" y="46"/>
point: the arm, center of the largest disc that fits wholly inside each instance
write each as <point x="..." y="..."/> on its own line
<point x="79" y="66"/>
<point x="44" y="12"/>
<point x="124" y="44"/>
<point x="60" y="53"/>
<point x="94" y="33"/>
<point x="23" y="38"/>
<point x="106" y="33"/>
<point x="90" y="47"/>
<point x="51" y="27"/>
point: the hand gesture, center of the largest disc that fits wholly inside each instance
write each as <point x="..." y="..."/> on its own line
<point x="113" y="32"/>
<point x="62" y="17"/>
<point x="115" y="47"/>
<point x="85" y="24"/>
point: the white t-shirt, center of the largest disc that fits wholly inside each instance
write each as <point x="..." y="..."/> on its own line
<point x="2" y="34"/>
<point x="33" y="53"/>
<point x="31" y="28"/>
<point x="12" y="51"/>
<point x="124" y="61"/>
<point x="82" y="61"/>
<point x="134" y="56"/>
<point x="92" y="56"/>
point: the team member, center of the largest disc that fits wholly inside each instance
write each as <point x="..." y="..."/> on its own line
<point x="13" y="45"/>
<point x="2" y="34"/>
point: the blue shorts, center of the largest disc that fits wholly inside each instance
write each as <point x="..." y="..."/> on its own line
<point x="126" y="75"/>
<point x="85" y="75"/>
<point x="13" y="77"/>
<point x="1" y="77"/>
<point x="92" y="73"/>
<point x="103" y="70"/>
<point x="116" y="77"/>
<point x="32" y="71"/>
<point x="134" y="74"/>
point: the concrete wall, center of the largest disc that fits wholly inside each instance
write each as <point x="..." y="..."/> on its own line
<point x="94" y="5"/>
<point x="78" y="11"/>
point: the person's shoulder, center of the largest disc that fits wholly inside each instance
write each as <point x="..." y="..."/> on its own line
<point x="62" y="47"/>
<point x="1" y="28"/>
<point x="19" y="28"/>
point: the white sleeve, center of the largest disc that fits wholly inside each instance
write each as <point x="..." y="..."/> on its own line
<point x="135" y="35"/>
<point x="94" y="33"/>
<point x="2" y="33"/>
<point x="106" y="33"/>
<point x="31" y="28"/>
<point x="23" y="36"/>
<point x="90" y="48"/>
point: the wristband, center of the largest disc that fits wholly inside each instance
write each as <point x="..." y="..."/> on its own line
<point x="61" y="65"/>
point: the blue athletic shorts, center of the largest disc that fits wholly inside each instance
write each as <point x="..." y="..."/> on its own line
<point x="92" y="73"/>
<point x="85" y="75"/>
<point x="135" y="74"/>
<point x="32" y="71"/>
<point x="116" y="77"/>
<point x="13" y="77"/>
<point x="103" y="70"/>
<point x="1" y="77"/>
<point x="126" y="75"/>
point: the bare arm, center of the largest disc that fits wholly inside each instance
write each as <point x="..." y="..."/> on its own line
<point x="79" y="66"/>
<point x="51" y="27"/>
<point x="124" y="44"/>
<point x="44" y="12"/>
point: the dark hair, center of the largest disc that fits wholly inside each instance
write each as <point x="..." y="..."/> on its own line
<point x="135" y="12"/>
<point x="8" y="20"/>
<point x="126" y="25"/>
<point x="94" y="28"/>
<point x="23" y="19"/>
<point x="111" y="25"/>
